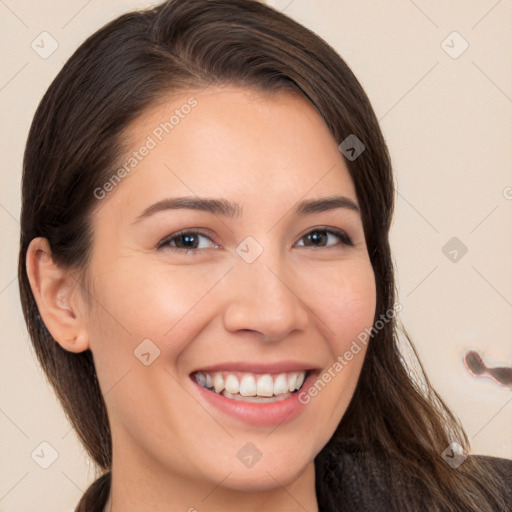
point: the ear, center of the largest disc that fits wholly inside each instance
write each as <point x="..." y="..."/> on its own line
<point x="57" y="294"/>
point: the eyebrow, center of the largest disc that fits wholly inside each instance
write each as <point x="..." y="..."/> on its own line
<point x="225" y="208"/>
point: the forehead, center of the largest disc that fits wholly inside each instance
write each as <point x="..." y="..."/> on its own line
<point x="229" y="141"/>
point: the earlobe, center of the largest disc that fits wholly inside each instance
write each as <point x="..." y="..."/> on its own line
<point x="55" y="292"/>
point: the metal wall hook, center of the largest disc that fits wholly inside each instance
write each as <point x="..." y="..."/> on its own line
<point x="476" y="366"/>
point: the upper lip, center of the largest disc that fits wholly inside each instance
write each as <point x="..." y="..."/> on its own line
<point x="250" y="367"/>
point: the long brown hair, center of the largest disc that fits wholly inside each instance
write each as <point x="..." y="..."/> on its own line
<point x="76" y="140"/>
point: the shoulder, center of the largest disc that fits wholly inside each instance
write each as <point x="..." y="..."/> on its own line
<point x="502" y="466"/>
<point x="502" y="469"/>
<point x="361" y="480"/>
<point x="372" y="481"/>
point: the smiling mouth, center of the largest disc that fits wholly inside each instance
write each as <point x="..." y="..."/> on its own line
<point x="252" y="387"/>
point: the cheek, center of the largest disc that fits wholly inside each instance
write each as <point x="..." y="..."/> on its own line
<point x="345" y="309"/>
<point x="344" y="301"/>
<point x="134" y="302"/>
<point x="167" y="293"/>
<point x="150" y="298"/>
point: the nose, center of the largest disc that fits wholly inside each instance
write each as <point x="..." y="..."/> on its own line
<point x="263" y="299"/>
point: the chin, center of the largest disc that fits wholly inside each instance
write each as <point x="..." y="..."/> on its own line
<point x="274" y="469"/>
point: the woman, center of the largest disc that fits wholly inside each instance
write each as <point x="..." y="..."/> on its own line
<point x="207" y="280"/>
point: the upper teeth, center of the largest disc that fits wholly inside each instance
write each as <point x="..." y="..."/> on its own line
<point x="250" y="384"/>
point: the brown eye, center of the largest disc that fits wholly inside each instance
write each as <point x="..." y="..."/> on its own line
<point x="189" y="241"/>
<point x="320" y="237"/>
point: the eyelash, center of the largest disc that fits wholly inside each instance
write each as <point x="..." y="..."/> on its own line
<point x="164" y="244"/>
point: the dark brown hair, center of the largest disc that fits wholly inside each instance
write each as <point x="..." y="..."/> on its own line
<point x="76" y="140"/>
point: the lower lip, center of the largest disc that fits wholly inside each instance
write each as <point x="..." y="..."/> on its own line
<point x="258" y="414"/>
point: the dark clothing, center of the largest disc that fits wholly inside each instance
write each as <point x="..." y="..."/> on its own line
<point x="348" y="480"/>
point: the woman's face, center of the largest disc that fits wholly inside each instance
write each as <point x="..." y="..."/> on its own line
<point x="267" y="289"/>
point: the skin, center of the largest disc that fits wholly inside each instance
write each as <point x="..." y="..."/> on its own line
<point x="307" y="303"/>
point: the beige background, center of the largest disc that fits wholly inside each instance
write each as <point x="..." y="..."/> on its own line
<point x="448" y="125"/>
